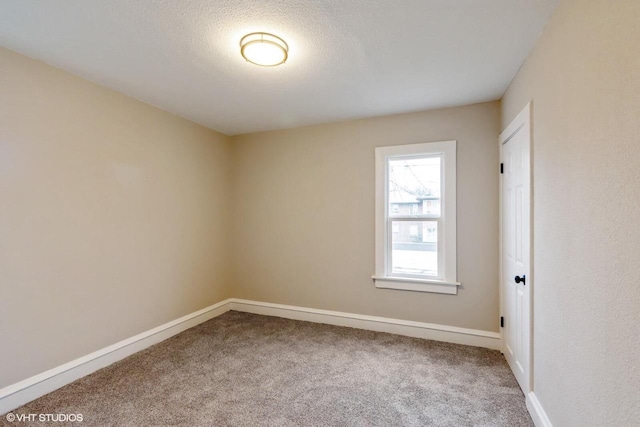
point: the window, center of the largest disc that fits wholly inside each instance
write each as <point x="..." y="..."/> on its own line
<point x="416" y="245"/>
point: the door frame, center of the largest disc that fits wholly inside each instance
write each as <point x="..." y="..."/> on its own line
<point x="523" y="121"/>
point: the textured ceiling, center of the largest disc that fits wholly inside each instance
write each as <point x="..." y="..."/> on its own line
<point x="348" y="58"/>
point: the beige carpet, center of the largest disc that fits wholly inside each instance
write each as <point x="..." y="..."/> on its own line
<point x="248" y="370"/>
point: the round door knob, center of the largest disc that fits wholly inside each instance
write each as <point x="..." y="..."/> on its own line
<point x="519" y="279"/>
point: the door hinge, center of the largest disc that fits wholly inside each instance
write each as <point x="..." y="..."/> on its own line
<point x="501" y="167"/>
<point x="502" y="321"/>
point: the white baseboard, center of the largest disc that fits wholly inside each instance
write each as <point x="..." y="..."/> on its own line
<point x="539" y="416"/>
<point x="22" y="392"/>
<point x="408" y="328"/>
<point x="25" y="391"/>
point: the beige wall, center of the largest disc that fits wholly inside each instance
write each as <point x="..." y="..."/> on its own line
<point x="304" y="216"/>
<point x="584" y="80"/>
<point x="113" y="217"/>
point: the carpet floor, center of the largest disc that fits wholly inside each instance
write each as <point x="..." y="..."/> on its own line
<point x="243" y="369"/>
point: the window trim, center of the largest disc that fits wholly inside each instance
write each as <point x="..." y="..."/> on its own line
<point x="447" y="284"/>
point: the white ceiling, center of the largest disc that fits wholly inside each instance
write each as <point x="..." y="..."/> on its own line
<point x="348" y="58"/>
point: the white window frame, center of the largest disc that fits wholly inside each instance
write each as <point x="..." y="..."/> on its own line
<point x="446" y="282"/>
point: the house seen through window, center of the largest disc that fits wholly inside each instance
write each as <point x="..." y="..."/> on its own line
<point x="413" y="194"/>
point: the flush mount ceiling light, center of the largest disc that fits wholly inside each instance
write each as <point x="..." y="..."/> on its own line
<point x="264" y="49"/>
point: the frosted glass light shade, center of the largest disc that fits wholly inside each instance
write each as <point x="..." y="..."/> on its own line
<point x="264" y="49"/>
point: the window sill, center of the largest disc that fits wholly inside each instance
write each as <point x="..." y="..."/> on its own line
<point x="419" y="285"/>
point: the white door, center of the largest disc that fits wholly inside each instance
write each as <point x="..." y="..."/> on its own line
<point x="516" y="240"/>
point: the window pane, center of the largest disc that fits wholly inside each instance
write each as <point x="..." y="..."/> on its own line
<point x="414" y="248"/>
<point x="414" y="186"/>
